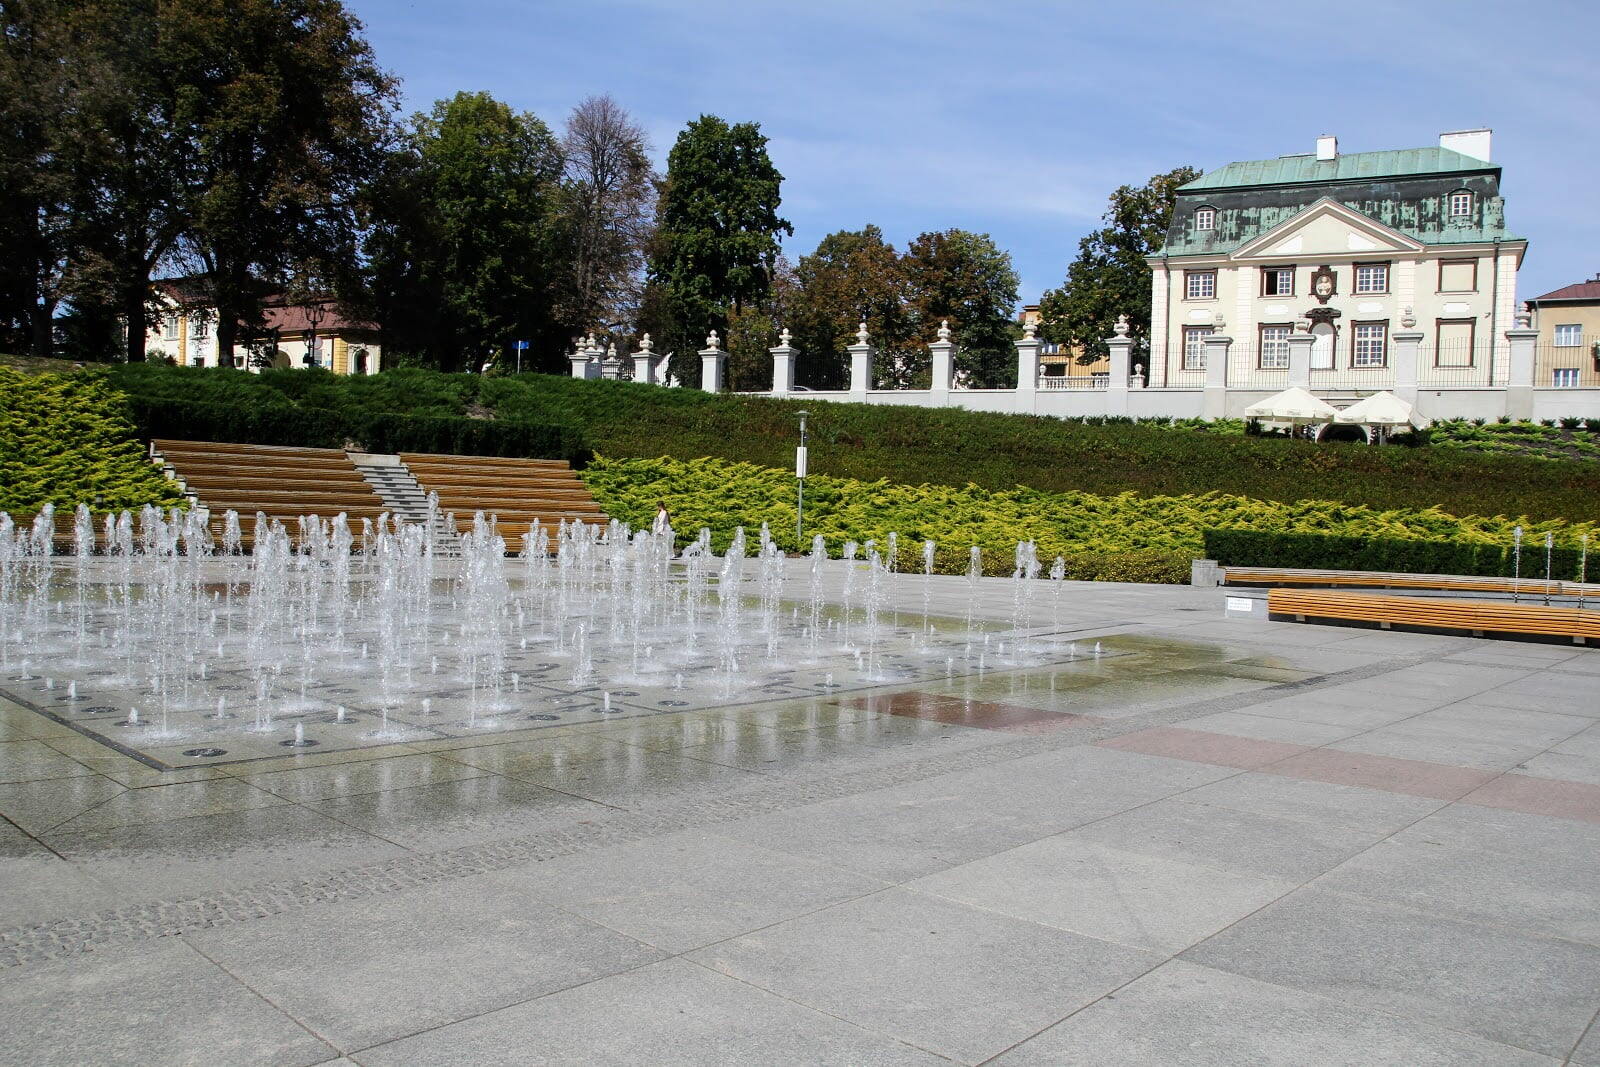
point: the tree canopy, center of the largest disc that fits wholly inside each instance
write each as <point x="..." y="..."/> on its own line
<point x="1110" y="277"/>
<point x="717" y="230"/>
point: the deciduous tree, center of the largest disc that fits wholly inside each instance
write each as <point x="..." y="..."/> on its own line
<point x="853" y="276"/>
<point x="608" y="204"/>
<point x="1110" y="277"/>
<point x="965" y="278"/>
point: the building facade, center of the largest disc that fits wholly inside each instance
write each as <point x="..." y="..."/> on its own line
<point x="1357" y="248"/>
<point x="1568" y="321"/>
<point x="297" y="334"/>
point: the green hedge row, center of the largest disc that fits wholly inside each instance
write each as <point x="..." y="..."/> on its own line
<point x="1267" y="548"/>
<point x="309" y="427"/>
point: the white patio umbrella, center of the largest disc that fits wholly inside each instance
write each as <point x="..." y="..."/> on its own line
<point x="1384" y="410"/>
<point x="1295" y="406"/>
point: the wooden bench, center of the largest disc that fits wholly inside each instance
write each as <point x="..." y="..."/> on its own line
<point x="1477" y="617"/>
<point x="1387" y="580"/>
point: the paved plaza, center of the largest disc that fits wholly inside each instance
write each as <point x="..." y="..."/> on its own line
<point x="1223" y="840"/>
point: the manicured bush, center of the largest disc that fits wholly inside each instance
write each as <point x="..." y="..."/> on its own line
<point x="1259" y="548"/>
<point x="67" y="439"/>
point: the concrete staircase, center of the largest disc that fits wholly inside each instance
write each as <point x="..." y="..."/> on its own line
<point x="401" y="494"/>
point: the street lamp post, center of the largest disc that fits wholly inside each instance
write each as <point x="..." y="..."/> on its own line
<point x="800" y="482"/>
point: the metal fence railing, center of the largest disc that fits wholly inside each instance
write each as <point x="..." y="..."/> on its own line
<point x="1567" y="366"/>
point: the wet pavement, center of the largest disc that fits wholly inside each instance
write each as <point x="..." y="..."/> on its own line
<point x="1224" y="840"/>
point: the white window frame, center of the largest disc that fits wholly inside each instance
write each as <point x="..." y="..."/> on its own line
<point x="169" y="326"/>
<point x="1571" y="338"/>
<point x="199" y="327"/>
<point x="1276" y="274"/>
<point x="1205" y="218"/>
<point x="1564" y="378"/>
<point x="1362" y="337"/>
<point x="1275" y="349"/>
<point x="1194" y="346"/>
<point x="1380" y="271"/>
<point x="1190" y="277"/>
<point x="1460" y="204"/>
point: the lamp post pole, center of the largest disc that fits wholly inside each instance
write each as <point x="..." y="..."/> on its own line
<point x="800" y="482"/>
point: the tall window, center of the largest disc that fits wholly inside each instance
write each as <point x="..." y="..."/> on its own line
<point x="1564" y="378"/>
<point x="1274" y="347"/>
<point x="199" y="327"/>
<point x="1369" y="344"/>
<point x="1372" y="277"/>
<point x="1460" y="204"/>
<point x="1569" y="335"/>
<point x="169" y="327"/>
<point x="1205" y="218"/>
<point x="1277" y="281"/>
<point x="1194" y="347"/>
<point x="1200" y="284"/>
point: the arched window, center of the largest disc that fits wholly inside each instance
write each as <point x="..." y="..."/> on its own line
<point x="1460" y="204"/>
<point x="1205" y="218"/>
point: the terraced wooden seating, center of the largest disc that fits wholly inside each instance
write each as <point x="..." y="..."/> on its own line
<point x="1477" y="617"/>
<point x="1386" y="580"/>
<point x="515" y="491"/>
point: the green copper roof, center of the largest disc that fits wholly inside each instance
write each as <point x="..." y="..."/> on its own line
<point x="1351" y="166"/>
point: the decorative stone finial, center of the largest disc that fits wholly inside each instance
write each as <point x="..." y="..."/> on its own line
<point x="783" y="337"/>
<point x="592" y="345"/>
<point x="1121" y="328"/>
<point x="1302" y="325"/>
<point x="1218" y="321"/>
<point x="1029" y="329"/>
<point x="1408" y="318"/>
<point x="944" y="330"/>
<point x="1524" y="317"/>
<point x="861" y="333"/>
<point x="645" y="344"/>
<point x="611" y="352"/>
<point x="712" y="341"/>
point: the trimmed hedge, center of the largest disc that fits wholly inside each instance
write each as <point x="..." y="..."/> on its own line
<point x="1271" y="548"/>
<point x="310" y="427"/>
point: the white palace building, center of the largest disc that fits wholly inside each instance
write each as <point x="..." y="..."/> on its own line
<point x="1342" y="274"/>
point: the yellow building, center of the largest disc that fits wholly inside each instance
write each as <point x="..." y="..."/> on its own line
<point x="313" y="333"/>
<point x="1058" y="362"/>
<point x="1568" y="321"/>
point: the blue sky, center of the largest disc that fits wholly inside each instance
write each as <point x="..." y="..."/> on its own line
<point x="1017" y="119"/>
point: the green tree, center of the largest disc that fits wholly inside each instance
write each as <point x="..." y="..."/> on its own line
<point x="607" y="201"/>
<point x="853" y="276"/>
<point x="467" y="249"/>
<point x="967" y="279"/>
<point x="717" y="229"/>
<point x="282" y="111"/>
<point x="1110" y="276"/>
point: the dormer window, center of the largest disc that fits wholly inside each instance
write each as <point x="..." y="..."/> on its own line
<point x="1205" y="218"/>
<point x="1460" y="204"/>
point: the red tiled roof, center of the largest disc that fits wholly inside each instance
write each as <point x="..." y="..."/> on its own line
<point x="295" y="319"/>
<point x="1589" y="290"/>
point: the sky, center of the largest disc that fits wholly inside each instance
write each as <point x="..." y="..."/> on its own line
<point x="1018" y="119"/>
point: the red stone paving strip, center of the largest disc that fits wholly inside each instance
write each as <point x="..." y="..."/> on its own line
<point x="959" y="711"/>
<point x="1539" y="796"/>
<point x="1418" y="778"/>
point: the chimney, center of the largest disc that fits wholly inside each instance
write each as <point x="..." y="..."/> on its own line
<point x="1327" y="147"/>
<point x="1474" y="143"/>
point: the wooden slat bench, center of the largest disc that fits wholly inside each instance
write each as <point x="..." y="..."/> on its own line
<point x="1434" y="613"/>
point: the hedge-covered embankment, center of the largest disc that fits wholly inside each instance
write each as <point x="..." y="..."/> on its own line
<point x="1126" y="537"/>
<point x="1277" y="548"/>
<point x="67" y="439"/>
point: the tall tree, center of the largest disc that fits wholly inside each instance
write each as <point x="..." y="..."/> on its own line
<point x="466" y="252"/>
<point x="853" y="276"/>
<point x="282" y="110"/>
<point x="967" y="279"/>
<point x="716" y="242"/>
<point x="1110" y="277"/>
<point x="608" y="197"/>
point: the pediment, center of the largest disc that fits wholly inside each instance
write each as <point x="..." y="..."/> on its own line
<point x="1324" y="229"/>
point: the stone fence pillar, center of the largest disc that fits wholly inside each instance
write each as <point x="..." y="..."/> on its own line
<point x="713" y="364"/>
<point x="1300" y="342"/>
<point x="1523" y="341"/>
<point x="783" y="365"/>
<point x="861" y="355"/>
<point x="1027" y="368"/>
<point x="943" y="352"/>
<point x="1407" y="362"/>
<point x="644" y="362"/>
<point x="582" y="359"/>
<point x="1119" y="346"/>
<point x="1215" y="402"/>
